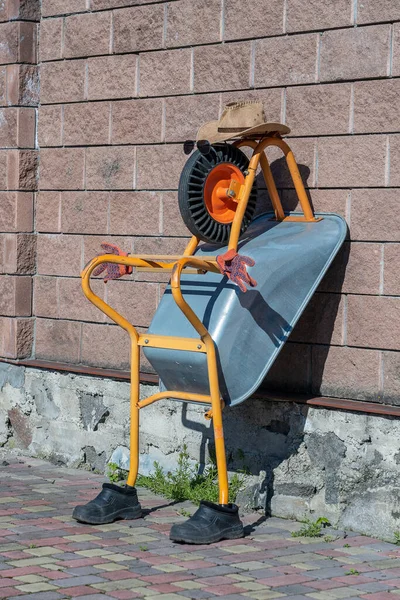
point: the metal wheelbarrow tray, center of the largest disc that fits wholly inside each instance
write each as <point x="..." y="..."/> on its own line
<point x="249" y="329"/>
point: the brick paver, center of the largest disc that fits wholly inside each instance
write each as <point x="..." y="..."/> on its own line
<point x="46" y="555"/>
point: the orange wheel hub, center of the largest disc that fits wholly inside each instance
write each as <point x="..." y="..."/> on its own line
<point x="221" y="207"/>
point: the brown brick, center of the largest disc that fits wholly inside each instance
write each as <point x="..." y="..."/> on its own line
<point x="16" y="211"/>
<point x="3" y="169"/>
<point x="346" y="373"/>
<point x="21" y="173"/>
<point x="138" y="28"/>
<point x="9" y="34"/>
<point x="105" y="346"/>
<point x="213" y="63"/>
<point x="48" y="212"/>
<point x="370" y="11"/>
<point x="156" y="69"/>
<point x="136" y="121"/>
<point x="62" y="168"/>
<point x="92" y="247"/>
<point x="317" y="14"/>
<point x="376" y="106"/>
<point x="159" y="167"/>
<point x="394" y="156"/>
<point x="346" y="161"/>
<point x="375" y="215"/>
<point x="160" y="245"/>
<point x="321" y="322"/>
<point x="373" y="322"/>
<point x="58" y="340"/>
<point x="172" y="221"/>
<point x="185" y="114"/>
<point x="344" y="53"/>
<point x="84" y="212"/>
<point x="59" y="255"/>
<point x="253" y="18"/>
<point x="19" y="253"/>
<point x="110" y="168"/>
<point x="60" y="7"/>
<point x="286" y="60"/>
<point x="16" y="337"/>
<point x="15" y="296"/>
<point x="291" y="371"/>
<point x="28" y="10"/>
<point x="72" y="303"/>
<point x="193" y="22"/>
<point x="51" y="35"/>
<point x="271" y="99"/>
<point x="391" y="378"/>
<point x="135" y="301"/>
<point x="86" y="124"/>
<point x="334" y="201"/>
<point x="318" y="110"/>
<point x="304" y="152"/>
<point x="23" y="85"/>
<point x="17" y="127"/>
<point x="135" y="213"/>
<point x="72" y="75"/>
<point x="50" y="125"/>
<point x="86" y="35"/>
<point x="19" y="41"/>
<point x="112" y="77"/>
<point x="391" y="279"/>
<point x="45" y="297"/>
<point x="355" y="271"/>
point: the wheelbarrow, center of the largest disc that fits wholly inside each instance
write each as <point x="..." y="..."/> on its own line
<point x="210" y="342"/>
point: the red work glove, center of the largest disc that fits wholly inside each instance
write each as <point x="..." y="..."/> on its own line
<point x="233" y="265"/>
<point x="113" y="271"/>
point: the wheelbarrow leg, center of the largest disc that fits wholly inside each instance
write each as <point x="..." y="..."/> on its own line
<point x="115" y="502"/>
<point x="212" y="522"/>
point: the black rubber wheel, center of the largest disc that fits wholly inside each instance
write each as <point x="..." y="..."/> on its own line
<point x="191" y="193"/>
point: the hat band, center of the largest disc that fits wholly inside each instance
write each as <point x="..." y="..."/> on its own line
<point x="236" y="129"/>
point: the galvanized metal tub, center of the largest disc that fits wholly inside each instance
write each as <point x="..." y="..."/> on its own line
<point x="249" y="329"/>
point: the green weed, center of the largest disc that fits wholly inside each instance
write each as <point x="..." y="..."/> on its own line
<point x="115" y="473"/>
<point x="397" y="538"/>
<point x="185" y="513"/>
<point x="352" y="572"/>
<point x="311" y="528"/>
<point x="143" y="548"/>
<point x="186" y="483"/>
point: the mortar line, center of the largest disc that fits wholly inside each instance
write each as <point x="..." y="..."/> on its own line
<point x="283" y="105"/>
<point x="111" y="45"/>
<point x="165" y="25"/>
<point x="191" y="76"/>
<point x="163" y="118"/>
<point x="351" y="115"/>
<point x="387" y="162"/>
<point x="284" y="17"/>
<point x="381" y="373"/>
<point x="222" y="22"/>
<point x="391" y="46"/>
<point x="252" y="63"/>
<point x="382" y="270"/>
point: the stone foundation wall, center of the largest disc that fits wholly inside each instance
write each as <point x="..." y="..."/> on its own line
<point x="301" y="461"/>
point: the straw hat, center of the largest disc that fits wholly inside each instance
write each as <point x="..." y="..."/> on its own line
<point x="240" y="119"/>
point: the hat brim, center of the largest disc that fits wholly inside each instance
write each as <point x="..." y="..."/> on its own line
<point x="209" y="131"/>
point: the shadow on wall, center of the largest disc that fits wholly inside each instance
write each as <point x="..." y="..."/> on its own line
<point x="260" y="435"/>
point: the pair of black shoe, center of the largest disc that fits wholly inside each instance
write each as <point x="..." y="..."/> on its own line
<point x="210" y="523"/>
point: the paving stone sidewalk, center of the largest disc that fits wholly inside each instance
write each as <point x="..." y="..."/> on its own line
<point x="46" y="555"/>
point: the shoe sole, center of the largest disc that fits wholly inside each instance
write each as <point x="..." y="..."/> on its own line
<point x="124" y="514"/>
<point x="229" y="535"/>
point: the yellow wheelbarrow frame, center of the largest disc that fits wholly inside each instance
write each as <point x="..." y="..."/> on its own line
<point x="176" y="264"/>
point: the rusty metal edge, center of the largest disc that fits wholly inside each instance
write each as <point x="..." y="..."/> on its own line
<point x="372" y="408"/>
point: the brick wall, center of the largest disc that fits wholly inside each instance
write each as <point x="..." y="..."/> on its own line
<point x="19" y="96"/>
<point x="123" y="83"/>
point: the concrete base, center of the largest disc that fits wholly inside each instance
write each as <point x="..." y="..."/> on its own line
<point x="300" y="461"/>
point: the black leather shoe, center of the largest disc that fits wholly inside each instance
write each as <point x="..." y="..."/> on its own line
<point x="210" y="523"/>
<point x="112" y="503"/>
